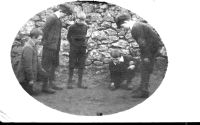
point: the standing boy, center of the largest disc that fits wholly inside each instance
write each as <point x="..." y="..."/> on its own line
<point x="149" y="43"/>
<point x="78" y="45"/>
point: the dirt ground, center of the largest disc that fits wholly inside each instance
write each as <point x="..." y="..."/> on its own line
<point x="98" y="98"/>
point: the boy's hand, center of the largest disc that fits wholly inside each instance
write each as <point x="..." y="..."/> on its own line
<point x="43" y="70"/>
<point x="31" y="82"/>
<point x="131" y="67"/>
<point x="163" y="51"/>
<point x="131" y="63"/>
<point x="146" y="60"/>
<point x="112" y="86"/>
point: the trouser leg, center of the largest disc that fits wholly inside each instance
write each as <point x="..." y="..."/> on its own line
<point x="129" y="76"/>
<point x="72" y="65"/>
<point x="52" y="78"/>
<point x="80" y="76"/>
<point x="26" y="87"/>
<point x="47" y="82"/>
<point x="145" y="76"/>
<point x="52" y="75"/>
<point x="71" y="72"/>
<point x="142" y="91"/>
<point x="81" y="57"/>
<point x="117" y="79"/>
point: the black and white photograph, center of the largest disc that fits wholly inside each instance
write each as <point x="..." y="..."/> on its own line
<point x="89" y="58"/>
<point x="95" y="58"/>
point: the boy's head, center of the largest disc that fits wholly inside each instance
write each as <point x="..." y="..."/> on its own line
<point x="36" y="33"/>
<point x="63" y="9"/>
<point x="131" y="63"/>
<point x="81" y="16"/>
<point x="122" y="19"/>
<point x="115" y="55"/>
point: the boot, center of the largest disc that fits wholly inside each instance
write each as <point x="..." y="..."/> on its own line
<point x="71" y="72"/>
<point x="46" y="88"/>
<point x="55" y="87"/>
<point x="80" y="75"/>
<point x="141" y="92"/>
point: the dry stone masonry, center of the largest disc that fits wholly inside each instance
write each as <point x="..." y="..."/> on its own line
<point x="103" y="34"/>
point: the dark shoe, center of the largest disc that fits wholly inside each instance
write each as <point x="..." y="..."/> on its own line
<point x="82" y="87"/>
<point x="126" y="87"/>
<point x="113" y="87"/>
<point x="69" y="87"/>
<point x="49" y="91"/>
<point x="35" y="89"/>
<point x="56" y="87"/>
<point x="140" y="94"/>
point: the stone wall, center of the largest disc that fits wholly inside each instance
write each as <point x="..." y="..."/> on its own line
<point x="103" y="34"/>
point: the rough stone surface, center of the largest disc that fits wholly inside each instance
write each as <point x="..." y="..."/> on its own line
<point x="103" y="48"/>
<point x="121" y="44"/>
<point x="100" y="35"/>
<point x="128" y="35"/>
<point x="95" y="17"/>
<point x="103" y="34"/>
<point x="106" y="60"/>
<point x="111" y="32"/>
<point x="113" y="38"/>
<point x="87" y="8"/>
<point x="95" y="55"/>
<point x="92" y="45"/>
<point x="27" y="27"/>
<point x="88" y="62"/>
<point x="106" y="24"/>
<point x="98" y="63"/>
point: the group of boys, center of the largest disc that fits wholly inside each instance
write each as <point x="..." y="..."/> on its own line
<point x="122" y="67"/>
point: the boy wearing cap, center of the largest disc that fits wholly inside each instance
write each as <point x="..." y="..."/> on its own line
<point x="78" y="45"/>
<point x="51" y="45"/>
<point x="30" y="71"/>
<point x="122" y="69"/>
<point x="150" y="45"/>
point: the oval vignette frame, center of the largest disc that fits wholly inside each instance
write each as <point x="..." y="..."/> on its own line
<point x="95" y="99"/>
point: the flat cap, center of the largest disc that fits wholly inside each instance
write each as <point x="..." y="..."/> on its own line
<point x="121" y="18"/>
<point x="36" y="32"/>
<point x="65" y="9"/>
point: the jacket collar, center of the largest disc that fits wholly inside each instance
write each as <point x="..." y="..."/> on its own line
<point x="31" y="43"/>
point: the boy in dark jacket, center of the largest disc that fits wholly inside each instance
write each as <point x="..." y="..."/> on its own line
<point x="30" y="71"/>
<point x="150" y="45"/>
<point x="122" y="69"/>
<point x="78" y="45"/>
<point x="51" y="45"/>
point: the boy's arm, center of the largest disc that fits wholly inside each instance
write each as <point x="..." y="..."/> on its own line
<point x="28" y="58"/>
<point x="111" y="69"/>
<point x="69" y="34"/>
<point x="48" y="24"/>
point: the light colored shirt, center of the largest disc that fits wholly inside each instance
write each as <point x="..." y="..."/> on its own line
<point x="121" y="59"/>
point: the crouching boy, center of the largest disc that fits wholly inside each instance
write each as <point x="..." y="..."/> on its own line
<point x="122" y="69"/>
